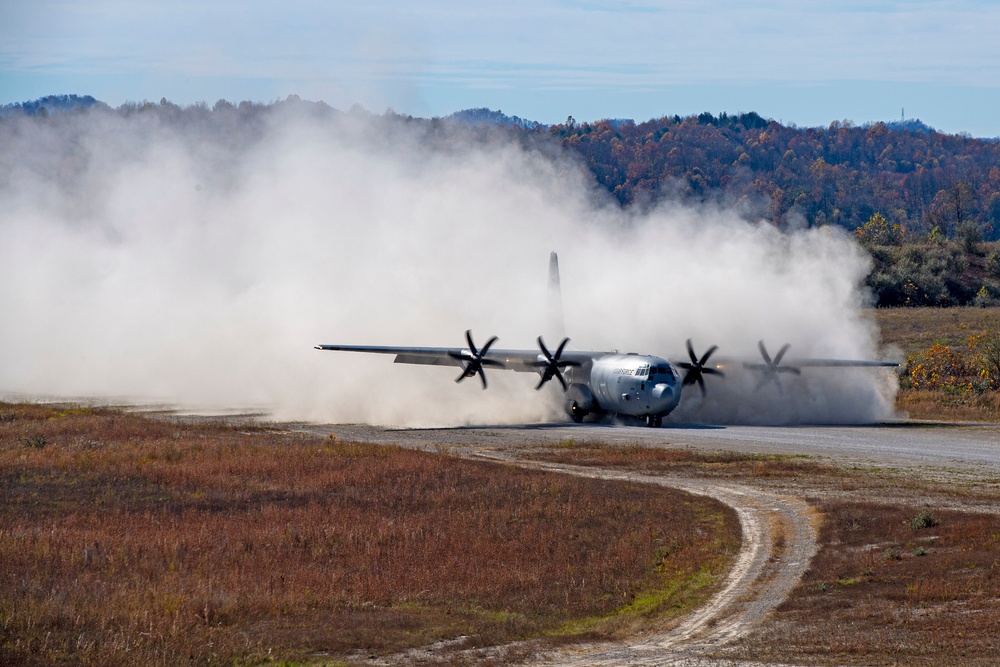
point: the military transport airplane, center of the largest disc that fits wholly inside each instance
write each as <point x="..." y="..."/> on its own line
<point x="600" y="383"/>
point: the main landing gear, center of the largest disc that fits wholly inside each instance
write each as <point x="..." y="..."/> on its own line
<point x="654" y="421"/>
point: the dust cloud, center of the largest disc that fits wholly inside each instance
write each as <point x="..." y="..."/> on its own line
<point x="154" y="258"/>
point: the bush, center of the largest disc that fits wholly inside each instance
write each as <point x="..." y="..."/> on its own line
<point x="36" y="441"/>
<point x="878" y="232"/>
<point x="987" y="349"/>
<point x="923" y="520"/>
<point x="993" y="264"/>
<point x="987" y="296"/>
<point x="939" y="367"/>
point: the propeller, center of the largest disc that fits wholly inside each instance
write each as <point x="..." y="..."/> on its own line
<point x="770" y="368"/>
<point x="475" y="359"/>
<point x="553" y="364"/>
<point x="697" y="368"/>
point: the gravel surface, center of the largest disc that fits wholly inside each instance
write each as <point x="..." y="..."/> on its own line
<point x="972" y="447"/>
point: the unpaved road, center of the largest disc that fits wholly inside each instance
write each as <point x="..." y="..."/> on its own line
<point x="778" y="542"/>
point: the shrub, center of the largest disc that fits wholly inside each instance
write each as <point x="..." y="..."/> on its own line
<point x="987" y="349"/>
<point x="878" y="232"/>
<point x="923" y="520"/>
<point x="36" y="441"/>
<point x="993" y="264"/>
<point x="939" y="367"/>
<point x="984" y="298"/>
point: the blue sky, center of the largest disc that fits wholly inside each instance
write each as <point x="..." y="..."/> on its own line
<point x="806" y="63"/>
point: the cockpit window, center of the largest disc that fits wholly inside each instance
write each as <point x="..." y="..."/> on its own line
<point x="665" y="370"/>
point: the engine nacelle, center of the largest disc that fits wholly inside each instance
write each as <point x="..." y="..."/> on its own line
<point x="580" y="401"/>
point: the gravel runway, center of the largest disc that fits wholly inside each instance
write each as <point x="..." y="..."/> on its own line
<point x="972" y="447"/>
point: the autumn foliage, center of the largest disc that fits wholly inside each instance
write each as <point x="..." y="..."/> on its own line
<point x="940" y="367"/>
<point x="974" y="367"/>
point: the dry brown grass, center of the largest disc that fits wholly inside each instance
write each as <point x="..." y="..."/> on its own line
<point x="944" y="406"/>
<point x="129" y="540"/>
<point x="916" y="329"/>
<point x="735" y="465"/>
<point x="879" y="591"/>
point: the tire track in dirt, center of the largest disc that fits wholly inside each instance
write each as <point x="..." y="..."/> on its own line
<point x="779" y="541"/>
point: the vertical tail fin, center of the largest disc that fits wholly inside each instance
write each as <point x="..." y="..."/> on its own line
<point x="556" y="325"/>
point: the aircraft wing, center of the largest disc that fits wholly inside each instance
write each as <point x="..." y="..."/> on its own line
<point x="432" y="356"/>
<point x="771" y="366"/>
<point x="750" y="362"/>
<point x="525" y="361"/>
<point x="840" y="363"/>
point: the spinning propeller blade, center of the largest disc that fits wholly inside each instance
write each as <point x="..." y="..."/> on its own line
<point x="771" y="368"/>
<point x="696" y="369"/>
<point x="553" y="364"/>
<point x="475" y="359"/>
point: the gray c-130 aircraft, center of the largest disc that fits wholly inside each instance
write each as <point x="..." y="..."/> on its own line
<point x="600" y="383"/>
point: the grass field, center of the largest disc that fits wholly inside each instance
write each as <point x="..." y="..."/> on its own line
<point x="128" y="540"/>
<point x="906" y="572"/>
<point x="915" y="330"/>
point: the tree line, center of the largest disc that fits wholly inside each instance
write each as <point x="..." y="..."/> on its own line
<point x="842" y="174"/>
<point x="925" y="204"/>
<point x="916" y="177"/>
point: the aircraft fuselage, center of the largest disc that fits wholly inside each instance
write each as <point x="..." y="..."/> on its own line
<point x="629" y="384"/>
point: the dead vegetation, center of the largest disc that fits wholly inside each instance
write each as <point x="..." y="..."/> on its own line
<point x="733" y="465"/>
<point x="892" y="585"/>
<point x="130" y="540"/>
<point x="916" y="329"/>
<point x="905" y="574"/>
<point x="939" y="405"/>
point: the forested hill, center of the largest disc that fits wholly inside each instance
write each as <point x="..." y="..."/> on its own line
<point x="925" y="204"/>
<point x="920" y="201"/>
<point x="842" y="174"/>
<point x="51" y="103"/>
<point x="916" y="177"/>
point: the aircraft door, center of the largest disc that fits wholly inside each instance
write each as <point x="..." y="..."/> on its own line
<point x="643" y="386"/>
